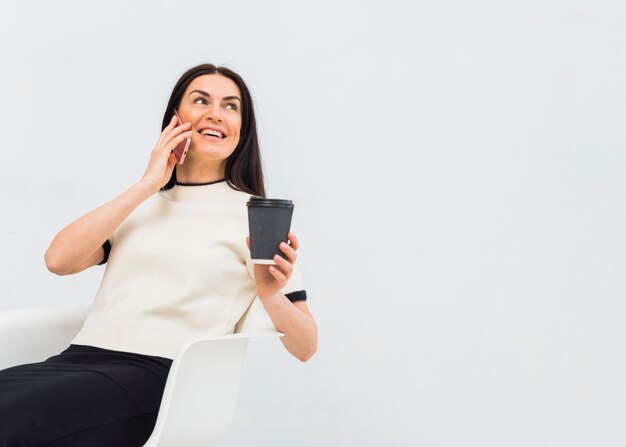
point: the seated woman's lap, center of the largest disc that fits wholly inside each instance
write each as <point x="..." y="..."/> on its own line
<point x="81" y="391"/>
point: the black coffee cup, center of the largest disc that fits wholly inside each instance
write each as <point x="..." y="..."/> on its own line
<point x="269" y="221"/>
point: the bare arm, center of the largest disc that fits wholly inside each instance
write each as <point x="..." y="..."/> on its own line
<point x="296" y="322"/>
<point x="79" y="245"/>
<point x="292" y="319"/>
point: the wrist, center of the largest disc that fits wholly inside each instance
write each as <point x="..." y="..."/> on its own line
<point x="271" y="296"/>
<point x="144" y="188"/>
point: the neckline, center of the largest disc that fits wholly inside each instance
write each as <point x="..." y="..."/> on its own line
<point x="190" y="191"/>
<point x="199" y="184"/>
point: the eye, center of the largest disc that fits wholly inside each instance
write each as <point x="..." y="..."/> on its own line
<point x="199" y="98"/>
<point x="234" y="106"/>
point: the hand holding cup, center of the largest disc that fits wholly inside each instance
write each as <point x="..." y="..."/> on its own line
<point x="271" y="279"/>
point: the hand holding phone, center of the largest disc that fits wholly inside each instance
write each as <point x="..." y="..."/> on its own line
<point x="180" y="151"/>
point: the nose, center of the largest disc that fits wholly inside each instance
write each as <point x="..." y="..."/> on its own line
<point x="214" y="113"/>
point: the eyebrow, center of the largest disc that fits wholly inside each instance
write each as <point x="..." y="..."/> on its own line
<point x="226" y="98"/>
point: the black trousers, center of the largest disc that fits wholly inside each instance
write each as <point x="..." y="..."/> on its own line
<point x="83" y="397"/>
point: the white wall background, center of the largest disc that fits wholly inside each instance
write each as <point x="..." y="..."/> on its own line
<point x="458" y="172"/>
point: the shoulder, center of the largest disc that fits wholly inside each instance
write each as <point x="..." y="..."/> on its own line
<point x="235" y="196"/>
<point x="234" y="192"/>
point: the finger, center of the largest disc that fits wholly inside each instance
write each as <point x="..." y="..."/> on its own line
<point x="177" y="130"/>
<point x="183" y="126"/>
<point x="285" y="266"/>
<point x="174" y="142"/>
<point x="248" y="242"/>
<point x="167" y="129"/>
<point x="289" y="251"/>
<point x="172" y="130"/>
<point x="280" y="277"/>
<point x="293" y="240"/>
<point x="171" y="124"/>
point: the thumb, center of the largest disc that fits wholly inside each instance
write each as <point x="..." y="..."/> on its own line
<point x="171" y="161"/>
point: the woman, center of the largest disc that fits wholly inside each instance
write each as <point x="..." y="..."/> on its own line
<point x="178" y="268"/>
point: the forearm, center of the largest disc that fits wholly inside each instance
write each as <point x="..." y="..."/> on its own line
<point x="80" y="239"/>
<point x="299" y="327"/>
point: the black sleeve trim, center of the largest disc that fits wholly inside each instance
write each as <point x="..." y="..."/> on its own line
<point x="107" y="249"/>
<point x="300" y="295"/>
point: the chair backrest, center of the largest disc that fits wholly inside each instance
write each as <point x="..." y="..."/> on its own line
<point x="200" y="396"/>
<point x="201" y="393"/>
<point x="31" y="335"/>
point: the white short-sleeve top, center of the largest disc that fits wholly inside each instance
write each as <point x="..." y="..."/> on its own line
<point x="178" y="269"/>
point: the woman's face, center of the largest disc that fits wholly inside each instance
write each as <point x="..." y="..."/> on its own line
<point x="212" y="102"/>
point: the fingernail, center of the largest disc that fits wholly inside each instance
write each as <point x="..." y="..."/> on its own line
<point x="277" y="258"/>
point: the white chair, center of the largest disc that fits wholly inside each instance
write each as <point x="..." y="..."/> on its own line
<point x="202" y="387"/>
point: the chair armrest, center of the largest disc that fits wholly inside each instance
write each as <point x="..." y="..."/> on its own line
<point x="200" y="395"/>
<point x="35" y="334"/>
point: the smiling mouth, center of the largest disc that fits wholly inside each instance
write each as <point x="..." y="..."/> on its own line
<point x="211" y="137"/>
<point x="214" y="132"/>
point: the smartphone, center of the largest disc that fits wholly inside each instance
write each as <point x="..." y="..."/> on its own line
<point x="180" y="151"/>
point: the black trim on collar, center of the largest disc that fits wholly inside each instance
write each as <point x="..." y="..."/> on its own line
<point x="199" y="184"/>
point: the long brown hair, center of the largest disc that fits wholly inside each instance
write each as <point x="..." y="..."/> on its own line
<point x="243" y="167"/>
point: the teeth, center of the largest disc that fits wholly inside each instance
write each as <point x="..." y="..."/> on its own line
<point x="212" y="132"/>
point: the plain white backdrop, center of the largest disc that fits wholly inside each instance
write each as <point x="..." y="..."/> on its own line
<point x="458" y="173"/>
